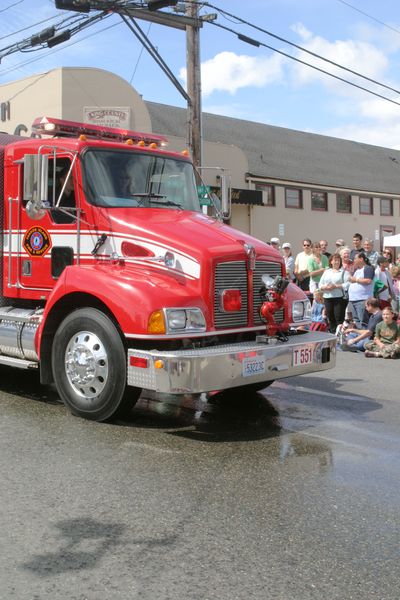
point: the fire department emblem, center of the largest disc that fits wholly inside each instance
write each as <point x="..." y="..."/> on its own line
<point x="37" y="241"/>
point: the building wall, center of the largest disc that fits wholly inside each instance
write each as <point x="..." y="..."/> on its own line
<point x="293" y="224"/>
<point x="64" y="92"/>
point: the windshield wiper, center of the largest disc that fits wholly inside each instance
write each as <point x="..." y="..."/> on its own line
<point x="147" y="195"/>
<point x="153" y="199"/>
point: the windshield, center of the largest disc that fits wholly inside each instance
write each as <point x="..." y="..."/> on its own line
<point x="119" y="179"/>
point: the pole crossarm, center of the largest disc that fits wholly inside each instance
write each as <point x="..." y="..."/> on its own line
<point x="151" y="49"/>
<point x="162" y="18"/>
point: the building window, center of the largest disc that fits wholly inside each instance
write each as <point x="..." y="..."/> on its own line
<point x="319" y="201"/>
<point x="268" y="193"/>
<point x="386" y="207"/>
<point x="293" y="198"/>
<point x="343" y="203"/>
<point x="366" y="207"/>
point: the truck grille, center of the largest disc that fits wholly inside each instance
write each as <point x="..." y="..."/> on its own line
<point x="233" y="275"/>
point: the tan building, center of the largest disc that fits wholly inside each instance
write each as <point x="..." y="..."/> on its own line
<point x="285" y="183"/>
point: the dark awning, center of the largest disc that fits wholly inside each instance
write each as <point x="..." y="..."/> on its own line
<point x="246" y="196"/>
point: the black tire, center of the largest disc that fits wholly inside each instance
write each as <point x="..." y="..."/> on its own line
<point x="89" y="367"/>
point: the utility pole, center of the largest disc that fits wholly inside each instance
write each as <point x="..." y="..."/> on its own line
<point x="131" y="10"/>
<point x="194" y="84"/>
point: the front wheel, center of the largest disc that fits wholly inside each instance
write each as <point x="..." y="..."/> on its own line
<point x="89" y="366"/>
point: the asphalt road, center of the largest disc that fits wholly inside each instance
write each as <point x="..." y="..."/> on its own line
<point x="292" y="494"/>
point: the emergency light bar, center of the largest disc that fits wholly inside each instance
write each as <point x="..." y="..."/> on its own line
<point x="60" y="127"/>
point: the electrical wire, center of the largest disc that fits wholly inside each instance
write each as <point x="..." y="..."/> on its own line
<point x="281" y="39"/>
<point x="55" y="50"/>
<point x="369" y="16"/>
<point x="258" y="43"/>
<point x="28" y="27"/>
<point x="140" y="55"/>
<point x="11" y="5"/>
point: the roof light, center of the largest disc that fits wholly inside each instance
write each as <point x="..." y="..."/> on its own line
<point x="63" y="128"/>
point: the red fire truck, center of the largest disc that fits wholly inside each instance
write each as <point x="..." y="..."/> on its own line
<point x="113" y="279"/>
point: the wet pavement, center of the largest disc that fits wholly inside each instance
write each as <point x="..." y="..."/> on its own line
<point x="288" y="494"/>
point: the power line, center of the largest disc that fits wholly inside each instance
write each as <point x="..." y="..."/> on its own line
<point x="369" y="16"/>
<point x="11" y="5"/>
<point x="28" y="27"/>
<point x="140" y="55"/>
<point x="53" y="51"/>
<point x="327" y="60"/>
<point x="258" y="43"/>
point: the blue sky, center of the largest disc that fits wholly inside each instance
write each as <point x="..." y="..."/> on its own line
<point x="238" y="79"/>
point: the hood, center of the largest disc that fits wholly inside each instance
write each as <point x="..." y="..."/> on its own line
<point x="190" y="233"/>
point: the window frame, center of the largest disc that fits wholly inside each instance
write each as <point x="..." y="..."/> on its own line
<point x="325" y="198"/>
<point x="300" y="198"/>
<point x="348" y="197"/>
<point x="267" y="188"/>
<point x="386" y="214"/>
<point x="371" y="205"/>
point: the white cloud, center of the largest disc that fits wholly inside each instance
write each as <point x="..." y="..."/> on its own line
<point x="378" y="134"/>
<point x="229" y="72"/>
<point x="359" y="56"/>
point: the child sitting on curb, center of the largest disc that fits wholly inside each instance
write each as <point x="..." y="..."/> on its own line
<point x="386" y="343"/>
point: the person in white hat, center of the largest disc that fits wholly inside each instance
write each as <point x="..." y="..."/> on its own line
<point x="274" y="242"/>
<point x="289" y="260"/>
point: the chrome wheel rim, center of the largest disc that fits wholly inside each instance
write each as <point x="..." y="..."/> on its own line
<point x="86" y="364"/>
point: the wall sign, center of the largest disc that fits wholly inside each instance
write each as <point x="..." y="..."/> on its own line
<point x="109" y="116"/>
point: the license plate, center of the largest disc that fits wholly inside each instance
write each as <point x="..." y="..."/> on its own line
<point x="303" y="355"/>
<point x="253" y="366"/>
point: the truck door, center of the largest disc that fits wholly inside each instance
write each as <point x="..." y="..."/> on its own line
<point x="49" y="244"/>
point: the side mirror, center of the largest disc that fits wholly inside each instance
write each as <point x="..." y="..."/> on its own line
<point x="36" y="173"/>
<point x="225" y="197"/>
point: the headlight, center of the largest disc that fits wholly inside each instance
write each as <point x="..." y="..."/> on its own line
<point x="301" y="310"/>
<point x="176" y="319"/>
<point x="184" y="320"/>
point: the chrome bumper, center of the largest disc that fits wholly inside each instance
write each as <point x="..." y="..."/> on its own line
<point x="223" y="367"/>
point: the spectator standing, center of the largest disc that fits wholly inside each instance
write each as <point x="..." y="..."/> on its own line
<point x="347" y="264"/>
<point x="289" y="260"/>
<point x="389" y="255"/>
<point x="386" y="343"/>
<point x="395" y="273"/>
<point x="324" y="246"/>
<point x="340" y="243"/>
<point x="370" y="253"/>
<point x="382" y="273"/>
<point x="274" y="242"/>
<point x="360" y="288"/>
<point x="301" y="266"/>
<point x="355" y="338"/>
<point x="317" y="263"/>
<point x="333" y="285"/>
<point x="357" y="245"/>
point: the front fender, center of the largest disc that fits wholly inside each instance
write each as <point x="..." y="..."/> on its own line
<point x="130" y="294"/>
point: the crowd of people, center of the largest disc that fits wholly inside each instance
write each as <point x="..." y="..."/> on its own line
<point x="355" y="292"/>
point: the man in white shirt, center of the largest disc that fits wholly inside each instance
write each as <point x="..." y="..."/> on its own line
<point x="301" y="265"/>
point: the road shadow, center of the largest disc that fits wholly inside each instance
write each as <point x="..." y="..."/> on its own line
<point x="83" y="543"/>
<point x="26" y="383"/>
<point x="329" y="392"/>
